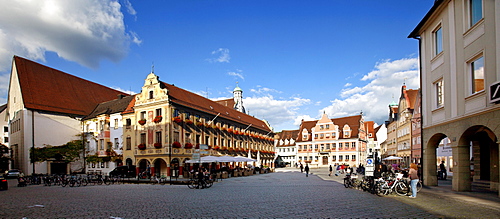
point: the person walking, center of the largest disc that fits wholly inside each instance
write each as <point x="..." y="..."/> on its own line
<point x="413" y="173"/>
<point x="443" y="174"/>
<point x="331" y="170"/>
<point x="301" y="168"/>
<point x="307" y="170"/>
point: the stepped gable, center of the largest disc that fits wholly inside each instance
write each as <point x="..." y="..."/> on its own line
<point x="113" y="106"/>
<point x="185" y="98"/>
<point x="47" y="89"/>
<point x="352" y="121"/>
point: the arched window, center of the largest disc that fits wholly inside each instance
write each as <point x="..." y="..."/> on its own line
<point x="151" y="95"/>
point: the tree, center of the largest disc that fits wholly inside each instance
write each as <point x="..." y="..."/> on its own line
<point x="68" y="152"/>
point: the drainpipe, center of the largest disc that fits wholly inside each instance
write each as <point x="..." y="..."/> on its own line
<point x="33" y="138"/>
<point x="421" y="107"/>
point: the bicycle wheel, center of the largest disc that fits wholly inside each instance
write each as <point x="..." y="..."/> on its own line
<point x="379" y="190"/>
<point x="209" y="183"/>
<point x="85" y="182"/>
<point x="192" y="184"/>
<point x="419" y="186"/>
<point x="107" y="182"/>
<point x="163" y="181"/>
<point x="401" y="188"/>
<point x="346" y="183"/>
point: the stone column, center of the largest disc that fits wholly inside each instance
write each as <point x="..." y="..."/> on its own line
<point x="461" y="168"/>
<point x="429" y="165"/>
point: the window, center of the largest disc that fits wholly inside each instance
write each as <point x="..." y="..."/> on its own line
<point x="476" y="11"/>
<point x="477" y="75"/>
<point x="353" y="157"/>
<point x="347" y="157"/>
<point x="101" y="144"/>
<point x="321" y="127"/>
<point x="116" y="123"/>
<point x="158" y="137"/>
<point x="334" y="158"/>
<point x="321" y="135"/>
<point x="334" y="145"/>
<point x="353" y="144"/>
<point x="129" y="143"/>
<point x="340" y="145"/>
<point x="438" y="40"/>
<point x="143" y="115"/>
<point x="439" y="93"/>
<point x="6" y="129"/>
<point x="143" y="138"/>
<point x="158" y="112"/>
<point x="5" y="139"/>
<point x="328" y="126"/>
<point x="340" y="157"/>
<point x="128" y="123"/>
<point x="327" y="146"/>
<point x="117" y="143"/>
<point x="151" y="96"/>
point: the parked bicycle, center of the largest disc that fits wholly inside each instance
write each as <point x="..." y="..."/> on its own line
<point x="390" y="184"/>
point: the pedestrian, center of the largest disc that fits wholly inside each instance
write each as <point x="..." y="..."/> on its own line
<point x="442" y="169"/>
<point x="331" y="170"/>
<point x="301" y="168"/>
<point x="307" y="170"/>
<point x="414" y="179"/>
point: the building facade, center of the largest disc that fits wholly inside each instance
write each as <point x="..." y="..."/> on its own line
<point x="332" y="141"/>
<point x="165" y="126"/>
<point x="459" y="43"/>
<point x="44" y="109"/>
<point x="286" y="150"/>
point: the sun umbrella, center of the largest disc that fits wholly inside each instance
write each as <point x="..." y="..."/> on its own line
<point x="393" y="158"/>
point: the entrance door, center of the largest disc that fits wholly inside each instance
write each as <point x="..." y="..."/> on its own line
<point x="325" y="160"/>
<point x="58" y="168"/>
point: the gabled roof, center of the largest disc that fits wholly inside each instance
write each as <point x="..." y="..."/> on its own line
<point x="47" y="89"/>
<point x="352" y="121"/>
<point x="288" y="134"/>
<point x="113" y="106"/>
<point x="416" y="32"/>
<point x="3" y="107"/>
<point x="188" y="99"/>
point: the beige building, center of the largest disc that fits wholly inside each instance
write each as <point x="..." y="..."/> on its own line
<point x="404" y="125"/>
<point x="459" y="44"/>
<point x="333" y="141"/>
<point x="165" y="126"/>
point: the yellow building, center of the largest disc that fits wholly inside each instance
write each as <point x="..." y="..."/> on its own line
<point x="164" y="126"/>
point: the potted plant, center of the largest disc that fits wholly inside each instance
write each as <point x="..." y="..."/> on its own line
<point x="188" y="146"/>
<point x="141" y="146"/>
<point x="176" y="144"/>
<point x="157" y="119"/>
<point x="157" y="145"/>
<point x="142" y="121"/>
<point x="188" y="121"/>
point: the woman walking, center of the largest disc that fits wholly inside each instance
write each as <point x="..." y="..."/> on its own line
<point x="413" y="173"/>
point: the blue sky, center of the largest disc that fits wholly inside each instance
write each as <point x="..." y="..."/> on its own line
<point x="293" y="59"/>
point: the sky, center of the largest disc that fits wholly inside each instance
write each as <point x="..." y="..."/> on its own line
<point x="293" y="59"/>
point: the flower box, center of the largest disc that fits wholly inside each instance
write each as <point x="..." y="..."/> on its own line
<point x="157" y="145"/>
<point x="157" y="119"/>
<point x="188" y="146"/>
<point x="142" y="121"/>
<point x="177" y="119"/>
<point x="189" y="122"/>
<point x="199" y="124"/>
<point x="141" y="146"/>
<point x="176" y="144"/>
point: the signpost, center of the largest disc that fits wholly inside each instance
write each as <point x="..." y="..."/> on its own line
<point x="370" y="167"/>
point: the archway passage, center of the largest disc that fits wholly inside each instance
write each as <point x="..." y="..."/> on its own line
<point x="430" y="159"/>
<point x="160" y="168"/>
<point x="484" y="158"/>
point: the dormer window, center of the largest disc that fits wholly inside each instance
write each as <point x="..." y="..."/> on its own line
<point x="151" y="95"/>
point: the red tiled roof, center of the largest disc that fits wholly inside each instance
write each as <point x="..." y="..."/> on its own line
<point x="411" y="95"/>
<point x="183" y="97"/>
<point x="226" y="102"/>
<point x="47" y="89"/>
<point x="352" y="121"/>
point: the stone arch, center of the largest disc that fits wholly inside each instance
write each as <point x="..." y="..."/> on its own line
<point x="477" y="158"/>
<point x="159" y="167"/>
<point x="429" y="159"/>
<point x="142" y="165"/>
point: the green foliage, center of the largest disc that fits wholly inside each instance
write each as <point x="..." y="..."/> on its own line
<point x="68" y="152"/>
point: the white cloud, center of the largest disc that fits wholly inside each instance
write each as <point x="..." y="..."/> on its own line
<point x="276" y="112"/>
<point x="129" y="7"/>
<point x="223" y="55"/>
<point x="263" y="90"/>
<point x="85" y="32"/>
<point x="373" y="99"/>
<point x="238" y="73"/>
<point x="130" y="92"/>
<point x="347" y="85"/>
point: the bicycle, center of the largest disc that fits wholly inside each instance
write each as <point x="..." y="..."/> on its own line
<point x="351" y="181"/>
<point x="391" y="184"/>
<point x="160" y="180"/>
